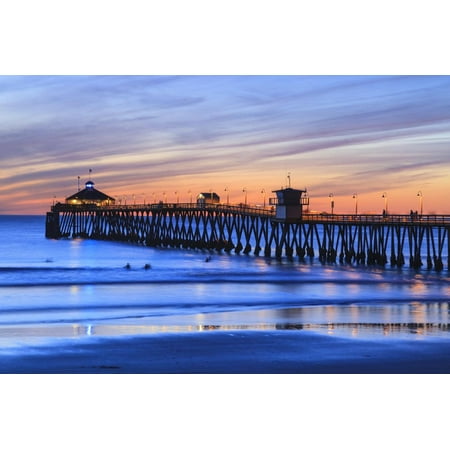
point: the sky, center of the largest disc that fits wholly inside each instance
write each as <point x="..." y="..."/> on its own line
<point x="149" y="138"/>
<point x="334" y="134"/>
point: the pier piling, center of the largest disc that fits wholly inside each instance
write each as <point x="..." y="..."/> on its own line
<point x="344" y="239"/>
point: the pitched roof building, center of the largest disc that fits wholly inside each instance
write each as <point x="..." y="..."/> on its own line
<point x="207" y="198"/>
<point x="90" y="195"/>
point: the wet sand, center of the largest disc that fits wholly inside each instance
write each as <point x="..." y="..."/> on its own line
<point x="248" y="352"/>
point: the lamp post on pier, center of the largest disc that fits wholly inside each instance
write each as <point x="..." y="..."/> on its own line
<point x="355" y="196"/>
<point x="420" y="195"/>
<point x="178" y="197"/>
<point x="190" y="193"/>
<point x="332" y="203"/>
<point x="263" y="192"/>
<point x="385" y="203"/>
<point x="245" y="198"/>
<point x="228" y="195"/>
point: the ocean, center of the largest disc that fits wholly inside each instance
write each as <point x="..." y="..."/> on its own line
<point x="76" y="290"/>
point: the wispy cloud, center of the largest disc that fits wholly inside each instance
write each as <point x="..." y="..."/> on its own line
<point x="142" y="130"/>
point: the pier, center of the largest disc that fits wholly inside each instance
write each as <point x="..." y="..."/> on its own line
<point x="417" y="241"/>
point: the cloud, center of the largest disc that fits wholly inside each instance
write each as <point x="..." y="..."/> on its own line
<point x="142" y="128"/>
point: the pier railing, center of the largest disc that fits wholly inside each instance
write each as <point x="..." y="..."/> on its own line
<point x="379" y="218"/>
<point x="269" y="211"/>
<point x="246" y="209"/>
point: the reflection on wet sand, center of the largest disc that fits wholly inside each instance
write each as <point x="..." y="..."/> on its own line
<point x="354" y="329"/>
<point x="363" y="330"/>
<point x="350" y="329"/>
<point x="413" y="320"/>
<point x="364" y="321"/>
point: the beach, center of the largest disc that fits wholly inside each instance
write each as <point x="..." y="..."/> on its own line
<point x="240" y="352"/>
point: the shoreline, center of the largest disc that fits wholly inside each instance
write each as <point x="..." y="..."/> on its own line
<point x="236" y="352"/>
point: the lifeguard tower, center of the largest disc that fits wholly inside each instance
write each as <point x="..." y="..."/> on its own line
<point x="289" y="204"/>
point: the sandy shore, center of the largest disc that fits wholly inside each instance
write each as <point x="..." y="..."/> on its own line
<point x="237" y="352"/>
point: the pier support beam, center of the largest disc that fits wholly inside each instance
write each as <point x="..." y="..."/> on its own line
<point x="345" y="240"/>
<point x="52" y="229"/>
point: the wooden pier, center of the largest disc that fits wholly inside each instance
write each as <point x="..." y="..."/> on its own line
<point x="375" y="240"/>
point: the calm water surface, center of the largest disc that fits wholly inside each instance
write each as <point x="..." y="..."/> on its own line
<point x="78" y="289"/>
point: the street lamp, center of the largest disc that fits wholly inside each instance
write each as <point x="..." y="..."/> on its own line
<point x="332" y="203"/>
<point x="355" y="196"/>
<point x="245" y="201"/>
<point x="264" y="197"/>
<point x="228" y="195"/>
<point x="190" y="193"/>
<point x="165" y="197"/>
<point x="178" y="198"/>
<point x="385" y="202"/>
<point x="419" y="194"/>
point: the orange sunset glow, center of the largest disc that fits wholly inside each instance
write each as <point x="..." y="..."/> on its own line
<point x="379" y="140"/>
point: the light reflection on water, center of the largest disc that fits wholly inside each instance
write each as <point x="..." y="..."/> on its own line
<point x="363" y="321"/>
<point x="78" y="289"/>
<point x="17" y="336"/>
<point x="395" y="321"/>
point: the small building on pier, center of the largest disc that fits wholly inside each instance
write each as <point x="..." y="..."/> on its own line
<point x="289" y="204"/>
<point x="207" y="198"/>
<point x="90" y="196"/>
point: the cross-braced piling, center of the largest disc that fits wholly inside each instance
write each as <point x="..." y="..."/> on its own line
<point x="374" y="240"/>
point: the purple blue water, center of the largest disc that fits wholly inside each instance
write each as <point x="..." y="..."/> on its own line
<point x="79" y="289"/>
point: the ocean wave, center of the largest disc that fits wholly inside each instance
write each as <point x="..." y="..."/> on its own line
<point x="208" y="281"/>
<point x="293" y="311"/>
<point x="228" y="280"/>
<point x="49" y="269"/>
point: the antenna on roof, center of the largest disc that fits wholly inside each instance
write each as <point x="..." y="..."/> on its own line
<point x="78" y="183"/>
<point x="289" y="179"/>
<point x="90" y="172"/>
